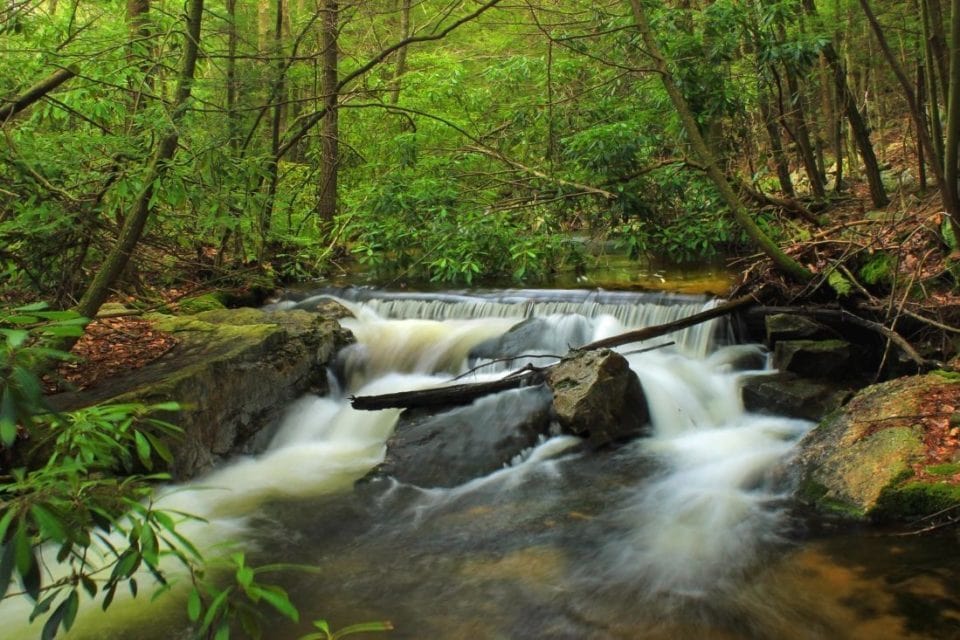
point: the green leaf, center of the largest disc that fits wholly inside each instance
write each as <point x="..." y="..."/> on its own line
<point x="8" y="418"/>
<point x="363" y="627"/>
<point x="245" y="576"/>
<point x="72" y="606"/>
<point x="89" y="585"/>
<point x="223" y="632"/>
<point x="53" y="623"/>
<point x="194" y="605"/>
<point x="278" y="599"/>
<point x="15" y="337"/>
<point x="7" y="562"/>
<point x="160" y="447"/>
<point x="218" y="602"/>
<point x="49" y="524"/>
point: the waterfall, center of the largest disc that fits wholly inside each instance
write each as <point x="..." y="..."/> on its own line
<point x="706" y="511"/>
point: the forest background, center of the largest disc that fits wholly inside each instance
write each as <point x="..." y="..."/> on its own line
<point x="153" y="149"/>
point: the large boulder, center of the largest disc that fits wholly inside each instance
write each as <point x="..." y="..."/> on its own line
<point x="454" y="447"/>
<point x="233" y="371"/>
<point x="891" y="452"/>
<point x="598" y="397"/>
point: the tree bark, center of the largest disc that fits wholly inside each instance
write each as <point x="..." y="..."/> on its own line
<point x="134" y="223"/>
<point x="951" y="170"/>
<point x="329" y="130"/>
<point x="785" y="263"/>
<point x="36" y="92"/>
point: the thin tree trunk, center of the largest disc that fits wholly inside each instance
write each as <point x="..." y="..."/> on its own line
<point x="401" y="68"/>
<point x="784" y="262"/>
<point x="933" y="88"/>
<point x="776" y="148"/>
<point x="134" y="223"/>
<point x="801" y="133"/>
<point x="950" y="169"/>
<point x="329" y="143"/>
<point x="922" y="133"/>
<point x="859" y="130"/>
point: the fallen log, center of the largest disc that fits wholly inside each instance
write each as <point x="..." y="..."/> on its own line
<point x="448" y="396"/>
<point x="461" y="394"/>
<point x="656" y="331"/>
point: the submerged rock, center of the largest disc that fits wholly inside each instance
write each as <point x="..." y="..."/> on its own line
<point x="598" y="397"/>
<point x="233" y="372"/>
<point x="454" y="447"/>
<point x="877" y="457"/>
<point x="535" y="335"/>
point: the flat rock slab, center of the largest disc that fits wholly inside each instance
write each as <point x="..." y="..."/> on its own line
<point x="233" y="372"/>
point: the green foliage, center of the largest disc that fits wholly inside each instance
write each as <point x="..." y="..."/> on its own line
<point x="839" y="283"/>
<point x="878" y="269"/>
<point x="26" y="331"/>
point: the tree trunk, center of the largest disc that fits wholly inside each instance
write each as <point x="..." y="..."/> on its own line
<point x="907" y="87"/>
<point x="776" y="148"/>
<point x="801" y="133"/>
<point x="329" y="143"/>
<point x="401" y="66"/>
<point x="784" y="262"/>
<point x="930" y="62"/>
<point x="858" y="126"/>
<point x="136" y="220"/>
<point x="951" y="197"/>
<point x="36" y="92"/>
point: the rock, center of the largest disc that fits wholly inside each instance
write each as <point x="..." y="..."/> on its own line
<point x="786" y="394"/>
<point x="325" y="306"/>
<point x="535" y="335"/>
<point x="814" y="358"/>
<point x="864" y="461"/>
<point x="785" y="326"/>
<point x="233" y="372"/>
<point x="597" y="396"/>
<point x="454" y="447"/>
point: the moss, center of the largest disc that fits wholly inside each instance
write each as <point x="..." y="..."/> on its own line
<point x="947" y="469"/>
<point x="914" y="499"/>
<point x="952" y="376"/>
<point x="196" y="304"/>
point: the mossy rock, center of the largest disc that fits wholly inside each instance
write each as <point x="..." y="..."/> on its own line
<point x="197" y="304"/>
<point x="861" y="462"/>
<point x="233" y="371"/>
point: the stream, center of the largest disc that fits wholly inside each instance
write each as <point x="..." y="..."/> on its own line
<point x="688" y="533"/>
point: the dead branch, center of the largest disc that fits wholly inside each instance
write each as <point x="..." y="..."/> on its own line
<point x="37" y="91"/>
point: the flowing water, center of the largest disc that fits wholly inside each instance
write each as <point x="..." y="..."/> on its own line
<point x="684" y="534"/>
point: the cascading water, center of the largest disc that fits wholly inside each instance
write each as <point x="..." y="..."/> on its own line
<point x="665" y="537"/>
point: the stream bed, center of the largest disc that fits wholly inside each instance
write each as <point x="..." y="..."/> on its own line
<point x="688" y="533"/>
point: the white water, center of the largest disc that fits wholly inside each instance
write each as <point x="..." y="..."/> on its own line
<point x="700" y="520"/>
